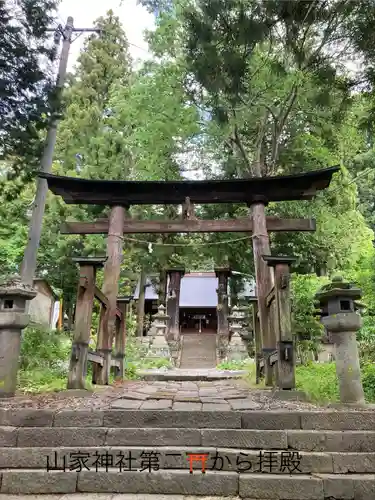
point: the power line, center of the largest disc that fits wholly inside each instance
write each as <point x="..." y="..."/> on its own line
<point x="138" y="47"/>
<point x="361" y="174"/>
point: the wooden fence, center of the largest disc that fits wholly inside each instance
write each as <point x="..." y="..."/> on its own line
<point x="87" y="292"/>
<point x="278" y="356"/>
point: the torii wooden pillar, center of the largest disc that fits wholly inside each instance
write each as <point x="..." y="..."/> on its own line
<point x="264" y="279"/>
<point x="110" y="288"/>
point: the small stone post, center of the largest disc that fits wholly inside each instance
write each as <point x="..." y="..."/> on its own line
<point x="13" y="319"/>
<point x="237" y="350"/>
<point x="84" y="303"/>
<point x="159" y="347"/>
<point x="339" y="316"/>
<point x="173" y="301"/>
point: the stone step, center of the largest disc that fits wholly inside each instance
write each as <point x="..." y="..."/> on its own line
<point x="198" y="351"/>
<point x="169" y="457"/>
<point x="298" y="440"/>
<point x="267" y="420"/>
<point x="185" y="374"/>
<point x="111" y="496"/>
<point x="178" y="482"/>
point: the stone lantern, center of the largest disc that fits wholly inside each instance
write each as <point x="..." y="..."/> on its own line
<point x="338" y="308"/>
<point x="13" y="297"/>
<point x="237" y="349"/>
<point x="159" y="347"/>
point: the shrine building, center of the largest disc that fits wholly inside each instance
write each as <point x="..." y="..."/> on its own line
<point x="198" y="301"/>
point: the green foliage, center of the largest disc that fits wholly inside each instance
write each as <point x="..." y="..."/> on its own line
<point x="155" y="363"/>
<point x="305" y="323"/>
<point x="44" y="360"/>
<point x="238" y="88"/>
<point x="235" y="365"/>
<point x="135" y="357"/>
<point x="44" y="348"/>
<point x="25" y="83"/>
<point x="130" y="371"/>
<point x="368" y="381"/>
<point x="103" y="64"/>
<point x="366" y="344"/>
<point x="318" y="381"/>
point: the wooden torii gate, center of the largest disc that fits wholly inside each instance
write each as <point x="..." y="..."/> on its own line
<point x="256" y="193"/>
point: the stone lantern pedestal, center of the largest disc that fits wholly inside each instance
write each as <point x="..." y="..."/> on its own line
<point x="13" y="297"/>
<point x="339" y="316"/>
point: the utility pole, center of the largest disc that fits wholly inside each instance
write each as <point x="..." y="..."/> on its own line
<point x="29" y="261"/>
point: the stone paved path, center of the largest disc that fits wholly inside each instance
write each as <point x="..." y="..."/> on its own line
<point x="187" y="395"/>
<point x="207" y="396"/>
<point x="198" y="351"/>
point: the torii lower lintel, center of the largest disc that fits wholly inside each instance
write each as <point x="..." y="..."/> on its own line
<point x="242" y="225"/>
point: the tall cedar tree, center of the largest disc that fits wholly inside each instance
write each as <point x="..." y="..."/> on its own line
<point x="86" y="144"/>
<point x="26" y="83"/>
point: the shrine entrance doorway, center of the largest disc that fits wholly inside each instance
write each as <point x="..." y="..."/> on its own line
<point x="197" y="320"/>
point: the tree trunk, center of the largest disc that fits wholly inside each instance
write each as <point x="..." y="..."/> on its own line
<point x="70" y="314"/>
<point x="162" y="287"/>
<point x="141" y="304"/>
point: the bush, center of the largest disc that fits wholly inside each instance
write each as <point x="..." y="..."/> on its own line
<point x="135" y="357"/>
<point x="44" y="360"/>
<point x="42" y="348"/>
<point x="368" y="381"/>
<point x="41" y="380"/>
<point x="234" y="365"/>
<point x="318" y="381"/>
<point x="305" y="324"/>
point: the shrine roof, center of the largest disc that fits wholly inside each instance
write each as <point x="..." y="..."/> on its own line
<point x="108" y="192"/>
<point x="198" y="290"/>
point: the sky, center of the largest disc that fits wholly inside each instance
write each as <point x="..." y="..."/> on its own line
<point x="135" y="20"/>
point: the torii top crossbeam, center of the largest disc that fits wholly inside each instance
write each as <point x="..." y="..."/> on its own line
<point x="125" y="193"/>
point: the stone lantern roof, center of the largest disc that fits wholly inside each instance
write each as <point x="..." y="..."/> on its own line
<point x="338" y="287"/>
<point x="14" y="286"/>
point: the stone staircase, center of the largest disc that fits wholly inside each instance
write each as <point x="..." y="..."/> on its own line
<point x="274" y="455"/>
<point x="198" y="351"/>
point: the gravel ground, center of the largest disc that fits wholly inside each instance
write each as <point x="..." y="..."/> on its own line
<point x="219" y="395"/>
